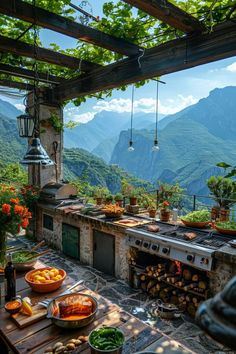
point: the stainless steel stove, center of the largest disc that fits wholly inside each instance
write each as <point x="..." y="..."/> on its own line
<point x="169" y="242"/>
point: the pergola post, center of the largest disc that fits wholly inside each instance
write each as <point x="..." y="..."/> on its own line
<point x="51" y="140"/>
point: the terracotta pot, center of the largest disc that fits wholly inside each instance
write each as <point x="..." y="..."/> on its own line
<point x="152" y="213"/>
<point x="164" y="215"/>
<point x="119" y="202"/>
<point x="215" y="213"/>
<point x="99" y="201"/>
<point x="132" y="200"/>
<point x="224" y="214"/>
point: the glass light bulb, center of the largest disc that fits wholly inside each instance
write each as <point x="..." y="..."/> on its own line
<point x="130" y="148"/>
<point x="155" y="148"/>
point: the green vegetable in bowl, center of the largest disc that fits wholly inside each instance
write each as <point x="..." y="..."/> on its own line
<point x="197" y="216"/>
<point x="226" y="225"/>
<point x="106" y="338"/>
<point x="22" y="256"/>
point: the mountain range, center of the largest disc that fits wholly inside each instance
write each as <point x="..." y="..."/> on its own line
<point x="191" y="142"/>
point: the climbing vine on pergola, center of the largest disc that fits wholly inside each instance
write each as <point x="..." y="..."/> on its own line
<point x="136" y="40"/>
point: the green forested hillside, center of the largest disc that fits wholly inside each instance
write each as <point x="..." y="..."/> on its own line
<point x="12" y="147"/>
<point x="81" y="164"/>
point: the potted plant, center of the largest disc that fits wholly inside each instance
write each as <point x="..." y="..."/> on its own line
<point x="152" y="210"/>
<point x="119" y="199"/>
<point x="99" y="194"/>
<point x="108" y="199"/>
<point x="164" y="211"/>
<point x="223" y="191"/>
<point x="133" y="197"/>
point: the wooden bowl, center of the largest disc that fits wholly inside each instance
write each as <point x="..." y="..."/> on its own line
<point x="14" y="310"/>
<point x="199" y="225"/>
<point x="45" y="287"/>
<point x="225" y="231"/>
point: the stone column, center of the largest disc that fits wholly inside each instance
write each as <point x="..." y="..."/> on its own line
<point x="51" y="140"/>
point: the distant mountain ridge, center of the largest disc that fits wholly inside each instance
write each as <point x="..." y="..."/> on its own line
<point x="190" y="145"/>
<point x="101" y="134"/>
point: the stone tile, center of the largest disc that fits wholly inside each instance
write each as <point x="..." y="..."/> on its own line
<point x="186" y="330"/>
<point x="183" y="329"/>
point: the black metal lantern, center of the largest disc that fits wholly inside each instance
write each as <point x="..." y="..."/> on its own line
<point x="26" y="125"/>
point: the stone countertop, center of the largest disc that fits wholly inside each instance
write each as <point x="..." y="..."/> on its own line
<point x="226" y="254"/>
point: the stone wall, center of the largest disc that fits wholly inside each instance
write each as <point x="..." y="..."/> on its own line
<point x="225" y="261"/>
<point x="86" y="226"/>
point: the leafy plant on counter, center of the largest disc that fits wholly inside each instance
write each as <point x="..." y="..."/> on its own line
<point x="223" y="190"/>
<point x="118" y="196"/>
<point x="197" y="216"/>
<point x="227" y="225"/>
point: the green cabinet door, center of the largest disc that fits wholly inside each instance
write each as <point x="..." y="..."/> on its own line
<point x="71" y="241"/>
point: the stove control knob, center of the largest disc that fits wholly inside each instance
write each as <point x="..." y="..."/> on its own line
<point x="138" y="242"/>
<point x="155" y="247"/>
<point x="190" y="257"/>
<point x="145" y="244"/>
<point x="165" y="250"/>
<point x="204" y="261"/>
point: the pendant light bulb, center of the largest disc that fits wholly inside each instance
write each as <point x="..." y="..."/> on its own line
<point x="130" y="148"/>
<point x="155" y="147"/>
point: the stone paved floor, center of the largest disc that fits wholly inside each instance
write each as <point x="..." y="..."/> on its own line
<point x="182" y="329"/>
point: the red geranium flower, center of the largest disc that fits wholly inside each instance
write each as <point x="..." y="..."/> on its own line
<point x="6" y="208"/>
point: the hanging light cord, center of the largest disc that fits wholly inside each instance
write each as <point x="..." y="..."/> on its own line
<point x="36" y="78"/>
<point x="155" y="140"/>
<point x="132" y="114"/>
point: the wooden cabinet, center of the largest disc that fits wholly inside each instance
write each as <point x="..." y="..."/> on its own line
<point x="104" y="252"/>
<point x="71" y="240"/>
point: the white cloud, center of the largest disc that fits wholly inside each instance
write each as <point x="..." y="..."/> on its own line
<point x="231" y="67"/>
<point x="84" y="117"/>
<point x="142" y="105"/>
<point x="20" y="106"/>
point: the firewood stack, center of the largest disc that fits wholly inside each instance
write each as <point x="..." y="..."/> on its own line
<point x="185" y="287"/>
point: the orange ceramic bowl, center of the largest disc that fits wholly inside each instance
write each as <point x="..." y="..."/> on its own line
<point x="198" y="225"/>
<point x="45" y="287"/>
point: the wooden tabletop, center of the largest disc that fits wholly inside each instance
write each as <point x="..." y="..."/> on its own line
<point x="38" y="336"/>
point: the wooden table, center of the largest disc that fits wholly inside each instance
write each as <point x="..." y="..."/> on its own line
<point x="42" y="334"/>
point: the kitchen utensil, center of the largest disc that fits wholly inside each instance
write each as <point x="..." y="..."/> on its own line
<point x="40" y="244"/>
<point x="45" y="287"/>
<point x="39" y="254"/>
<point x="67" y="291"/>
<point x="74" y="323"/>
<point x="165" y="310"/>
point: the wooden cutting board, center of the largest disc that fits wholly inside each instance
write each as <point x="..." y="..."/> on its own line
<point x="129" y="222"/>
<point x="22" y="320"/>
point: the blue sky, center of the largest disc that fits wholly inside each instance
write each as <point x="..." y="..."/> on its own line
<point x="181" y="90"/>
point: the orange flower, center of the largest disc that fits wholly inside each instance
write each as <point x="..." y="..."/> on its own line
<point x="165" y="203"/>
<point x="15" y="200"/>
<point x="6" y="208"/>
<point x="25" y="223"/>
<point x="12" y="189"/>
<point x="18" y="209"/>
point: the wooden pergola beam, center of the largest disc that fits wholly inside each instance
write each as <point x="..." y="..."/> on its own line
<point x="167" y="58"/>
<point x="46" y="55"/>
<point x="52" y="21"/>
<point x="29" y="74"/>
<point x="168" y="13"/>
<point x="16" y="85"/>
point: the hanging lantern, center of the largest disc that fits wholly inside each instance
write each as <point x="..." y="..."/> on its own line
<point x="155" y="146"/>
<point x="36" y="154"/>
<point x="130" y="148"/>
<point x="26" y="124"/>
